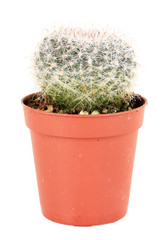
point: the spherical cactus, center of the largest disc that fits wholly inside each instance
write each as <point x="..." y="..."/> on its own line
<point x="84" y="70"/>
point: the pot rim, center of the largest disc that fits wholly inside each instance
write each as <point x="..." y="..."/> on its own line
<point x="82" y="116"/>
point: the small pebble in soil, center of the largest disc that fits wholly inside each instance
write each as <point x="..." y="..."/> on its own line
<point x="83" y="113"/>
<point x="95" y="112"/>
<point x="105" y="110"/>
<point x="49" y="108"/>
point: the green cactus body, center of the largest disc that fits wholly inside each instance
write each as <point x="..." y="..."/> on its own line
<point x="85" y="70"/>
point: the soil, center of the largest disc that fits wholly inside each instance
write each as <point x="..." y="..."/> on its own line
<point x="40" y="103"/>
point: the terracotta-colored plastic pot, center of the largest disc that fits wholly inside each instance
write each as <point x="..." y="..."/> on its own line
<point x="84" y="163"/>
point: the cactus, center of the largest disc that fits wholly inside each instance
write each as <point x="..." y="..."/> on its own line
<point x="85" y="70"/>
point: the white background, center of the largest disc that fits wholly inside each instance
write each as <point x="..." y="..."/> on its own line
<point x="21" y="25"/>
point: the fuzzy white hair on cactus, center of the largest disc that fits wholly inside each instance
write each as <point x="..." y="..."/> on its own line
<point x="68" y="59"/>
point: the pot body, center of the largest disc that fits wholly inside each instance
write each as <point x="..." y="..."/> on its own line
<point x="84" y="164"/>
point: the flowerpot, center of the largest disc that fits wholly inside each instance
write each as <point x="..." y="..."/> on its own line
<point x="84" y="163"/>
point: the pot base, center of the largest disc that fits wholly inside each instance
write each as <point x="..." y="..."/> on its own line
<point x="86" y="221"/>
